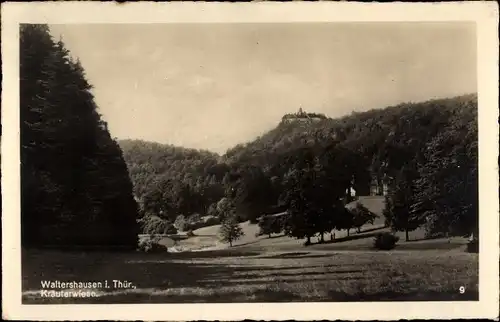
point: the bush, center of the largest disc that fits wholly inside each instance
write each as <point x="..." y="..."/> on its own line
<point x="180" y="223"/>
<point x="194" y="221"/>
<point x="385" y="241"/>
<point x="152" y="224"/>
<point x="151" y="245"/>
<point x="190" y="233"/>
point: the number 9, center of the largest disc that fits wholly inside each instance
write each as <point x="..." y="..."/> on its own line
<point x="462" y="289"/>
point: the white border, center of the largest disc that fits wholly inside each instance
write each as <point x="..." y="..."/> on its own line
<point x="485" y="14"/>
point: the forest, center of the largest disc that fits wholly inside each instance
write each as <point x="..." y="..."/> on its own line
<point x="426" y="153"/>
<point x="81" y="188"/>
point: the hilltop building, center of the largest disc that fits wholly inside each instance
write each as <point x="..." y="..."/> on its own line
<point x="302" y="116"/>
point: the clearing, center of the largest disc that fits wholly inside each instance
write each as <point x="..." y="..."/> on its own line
<point x="263" y="269"/>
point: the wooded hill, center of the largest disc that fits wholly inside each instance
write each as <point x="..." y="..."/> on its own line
<point x="426" y="152"/>
<point x="76" y="190"/>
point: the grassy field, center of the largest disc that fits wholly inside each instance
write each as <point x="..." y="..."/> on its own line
<point x="206" y="238"/>
<point x="259" y="273"/>
<point x="263" y="269"/>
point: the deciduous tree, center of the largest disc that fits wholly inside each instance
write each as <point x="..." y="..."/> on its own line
<point x="230" y="230"/>
<point x="361" y="216"/>
<point x="401" y="197"/>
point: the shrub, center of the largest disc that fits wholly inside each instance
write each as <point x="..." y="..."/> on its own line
<point x="180" y="223"/>
<point x="152" y="224"/>
<point x="151" y="245"/>
<point x="194" y="222"/>
<point x="194" y="219"/>
<point x="385" y="241"/>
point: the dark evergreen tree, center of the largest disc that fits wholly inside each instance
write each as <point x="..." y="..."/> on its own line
<point x="75" y="186"/>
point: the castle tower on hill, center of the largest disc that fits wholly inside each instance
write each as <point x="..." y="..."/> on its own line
<point x="302" y="116"/>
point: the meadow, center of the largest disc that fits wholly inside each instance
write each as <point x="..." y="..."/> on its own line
<point x="276" y="269"/>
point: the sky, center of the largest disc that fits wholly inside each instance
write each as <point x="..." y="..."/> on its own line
<point x="212" y="86"/>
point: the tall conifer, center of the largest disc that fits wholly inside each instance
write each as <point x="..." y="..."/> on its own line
<point x="75" y="186"/>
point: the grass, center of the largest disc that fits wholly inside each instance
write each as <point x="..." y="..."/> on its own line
<point x="375" y="204"/>
<point x="206" y="239"/>
<point x="245" y="275"/>
<point x="262" y="269"/>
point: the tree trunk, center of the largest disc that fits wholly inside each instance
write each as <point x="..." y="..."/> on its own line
<point x="407" y="236"/>
<point x="230" y="243"/>
<point x="322" y="237"/>
<point x="348" y="232"/>
<point x="308" y="240"/>
<point x="269" y="235"/>
<point x="332" y="235"/>
<point x="359" y="230"/>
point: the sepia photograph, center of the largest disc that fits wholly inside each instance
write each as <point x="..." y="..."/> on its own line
<point x="250" y="162"/>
